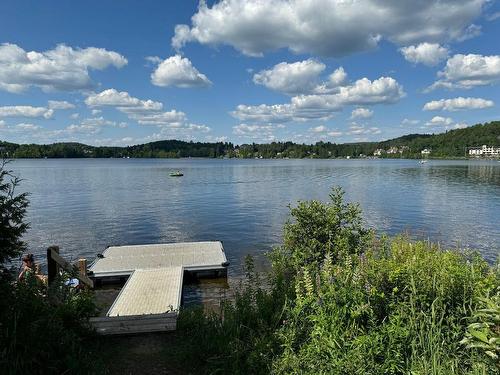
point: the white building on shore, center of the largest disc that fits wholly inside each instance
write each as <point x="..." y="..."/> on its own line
<point x="485" y="151"/>
<point x="426" y="151"/>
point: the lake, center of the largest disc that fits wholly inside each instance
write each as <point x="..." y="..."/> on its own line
<point x="85" y="205"/>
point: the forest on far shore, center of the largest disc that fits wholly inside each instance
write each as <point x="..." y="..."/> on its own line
<point x="451" y="144"/>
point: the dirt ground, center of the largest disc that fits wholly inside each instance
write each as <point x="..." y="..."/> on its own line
<point x="153" y="353"/>
<point x="147" y="353"/>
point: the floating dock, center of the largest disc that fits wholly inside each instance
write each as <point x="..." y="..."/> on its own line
<point x="151" y="297"/>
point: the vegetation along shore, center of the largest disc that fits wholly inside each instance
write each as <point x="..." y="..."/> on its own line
<point x="452" y="144"/>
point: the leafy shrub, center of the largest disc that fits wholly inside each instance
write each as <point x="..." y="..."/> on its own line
<point x="317" y="230"/>
<point x="484" y="332"/>
<point x="398" y="308"/>
<point x="44" y="331"/>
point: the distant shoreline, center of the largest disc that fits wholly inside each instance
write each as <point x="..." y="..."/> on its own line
<point x="239" y="158"/>
<point x="452" y="144"/>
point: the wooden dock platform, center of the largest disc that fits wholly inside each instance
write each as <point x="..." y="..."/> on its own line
<point x="151" y="297"/>
<point x="193" y="256"/>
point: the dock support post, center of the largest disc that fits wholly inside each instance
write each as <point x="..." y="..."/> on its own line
<point x="52" y="266"/>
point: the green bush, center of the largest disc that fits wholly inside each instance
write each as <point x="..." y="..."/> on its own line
<point x="317" y="230"/>
<point x="398" y="308"/>
<point x="44" y="331"/>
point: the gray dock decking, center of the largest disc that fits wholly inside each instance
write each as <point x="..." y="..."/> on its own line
<point x="151" y="297"/>
<point x="193" y="256"/>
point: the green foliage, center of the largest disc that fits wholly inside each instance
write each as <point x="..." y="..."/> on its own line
<point x="12" y="210"/>
<point x="339" y="301"/>
<point x="398" y="308"/>
<point x="239" y="337"/>
<point x="160" y="149"/>
<point x="451" y="143"/>
<point x="484" y="331"/>
<point x="318" y="230"/>
<point x="44" y="331"/>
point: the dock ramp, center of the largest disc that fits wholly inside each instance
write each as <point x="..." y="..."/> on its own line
<point x="150" y="291"/>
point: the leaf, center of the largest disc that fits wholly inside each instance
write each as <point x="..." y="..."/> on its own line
<point x="479" y="335"/>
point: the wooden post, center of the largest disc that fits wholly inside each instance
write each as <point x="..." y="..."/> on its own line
<point x="52" y="266"/>
<point x="82" y="266"/>
<point x="68" y="267"/>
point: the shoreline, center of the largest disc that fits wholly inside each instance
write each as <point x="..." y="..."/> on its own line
<point x="255" y="158"/>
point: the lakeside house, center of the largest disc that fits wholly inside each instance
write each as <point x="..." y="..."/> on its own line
<point x="426" y="151"/>
<point x="393" y="150"/>
<point x="485" y="151"/>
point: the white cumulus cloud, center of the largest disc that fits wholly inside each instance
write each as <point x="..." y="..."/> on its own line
<point x="26" y="111"/>
<point x="327" y="27"/>
<point x="178" y="71"/>
<point x="361" y="113"/>
<point x="429" y="54"/>
<point x="122" y="100"/>
<point x="384" y="90"/>
<point x="146" y="112"/>
<point x="456" y="104"/>
<point x="301" y="77"/>
<point x="291" y="78"/>
<point x="439" y="121"/>
<point x="356" y="129"/>
<point x="260" y="133"/>
<point x="62" y="68"/>
<point x="55" y="104"/>
<point x="467" y="71"/>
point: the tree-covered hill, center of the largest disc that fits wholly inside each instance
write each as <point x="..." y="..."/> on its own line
<point x="452" y="143"/>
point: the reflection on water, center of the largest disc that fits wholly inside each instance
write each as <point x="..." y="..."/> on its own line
<point x="85" y="205"/>
<point x="208" y="292"/>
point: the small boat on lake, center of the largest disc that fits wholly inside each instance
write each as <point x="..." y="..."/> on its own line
<point x="423" y="161"/>
<point x="176" y="174"/>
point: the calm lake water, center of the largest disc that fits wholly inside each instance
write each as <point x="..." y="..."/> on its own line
<point x="85" y="205"/>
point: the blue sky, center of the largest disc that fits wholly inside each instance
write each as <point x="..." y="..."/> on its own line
<point x="109" y="73"/>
